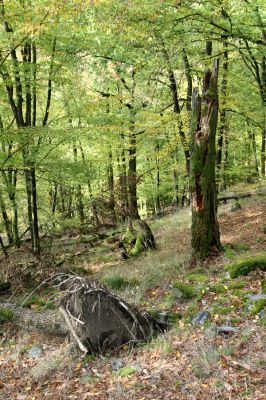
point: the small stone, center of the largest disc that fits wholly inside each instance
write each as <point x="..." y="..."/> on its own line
<point x="34" y="352"/>
<point x="117" y="363"/>
<point x="235" y="207"/>
<point x="255" y="297"/>
<point x="227" y="329"/>
<point x="201" y="317"/>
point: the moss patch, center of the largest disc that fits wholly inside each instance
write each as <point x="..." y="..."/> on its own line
<point x="126" y="371"/>
<point x="138" y="246"/>
<point x="197" y="278"/>
<point x="244" y="267"/>
<point x="183" y="291"/>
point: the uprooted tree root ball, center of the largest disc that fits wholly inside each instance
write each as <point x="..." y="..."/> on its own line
<point x="96" y="319"/>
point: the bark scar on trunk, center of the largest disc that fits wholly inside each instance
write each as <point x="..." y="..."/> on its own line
<point x="199" y="196"/>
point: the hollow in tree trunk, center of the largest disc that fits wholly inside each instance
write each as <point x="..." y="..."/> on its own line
<point x="205" y="228"/>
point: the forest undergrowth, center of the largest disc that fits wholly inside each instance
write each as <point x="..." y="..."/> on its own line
<point x="192" y="360"/>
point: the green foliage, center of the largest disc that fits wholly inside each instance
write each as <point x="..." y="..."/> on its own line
<point x="262" y="321"/>
<point x="244" y="267"/>
<point x="218" y="288"/>
<point x="258" y="306"/>
<point x="119" y="282"/>
<point x="232" y="248"/>
<point x="197" y="278"/>
<point x="5" y="314"/>
<point x="126" y="371"/>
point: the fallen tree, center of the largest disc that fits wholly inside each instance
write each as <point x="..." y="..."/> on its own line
<point x="242" y="195"/>
<point x="97" y="319"/>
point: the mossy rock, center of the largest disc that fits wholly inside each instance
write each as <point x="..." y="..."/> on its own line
<point x="183" y="291"/>
<point x="244" y="267"/>
<point x="258" y="306"/>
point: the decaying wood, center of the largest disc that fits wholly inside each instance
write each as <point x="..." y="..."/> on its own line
<point x="243" y="195"/>
<point x="49" y="321"/>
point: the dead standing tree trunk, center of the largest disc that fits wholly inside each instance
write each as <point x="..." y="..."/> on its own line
<point x="205" y="228"/>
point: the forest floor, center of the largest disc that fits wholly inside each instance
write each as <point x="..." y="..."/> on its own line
<point x="189" y="361"/>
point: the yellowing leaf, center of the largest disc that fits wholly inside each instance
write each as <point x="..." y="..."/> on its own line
<point x="78" y="366"/>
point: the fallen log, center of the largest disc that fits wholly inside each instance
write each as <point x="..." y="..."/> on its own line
<point x="242" y="195"/>
<point x="48" y="322"/>
<point x="235" y="196"/>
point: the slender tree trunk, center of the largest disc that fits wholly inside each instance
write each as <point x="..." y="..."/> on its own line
<point x="79" y="196"/>
<point x="13" y="200"/>
<point x="10" y="180"/>
<point x="6" y="220"/>
<point x="36" y="238"/>
<point x="158" y="181"/>
<point x="177" y="108"/>
<point x="205" y="228"/>
<point x="123" y="182"/>
<point x="223" y="120"/>
<point x="189" y="79"/>
<point x="263" y="141"/>
<point x="54" y="196"/>
<point x="132" y="177"/>
<point x="110" y="173"/>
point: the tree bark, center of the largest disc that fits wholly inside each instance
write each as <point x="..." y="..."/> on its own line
<point x="205" y="228"/>
<point x="132" y="178"/>
<point x="223" y="121"/>
<point x="110" y="173"/>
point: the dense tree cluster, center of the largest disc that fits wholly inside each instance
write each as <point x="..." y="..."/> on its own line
<point x="96" y="99"/>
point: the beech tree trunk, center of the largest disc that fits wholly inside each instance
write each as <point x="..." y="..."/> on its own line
<point x="205" y="228"/>
<point x="132" y="178"/>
